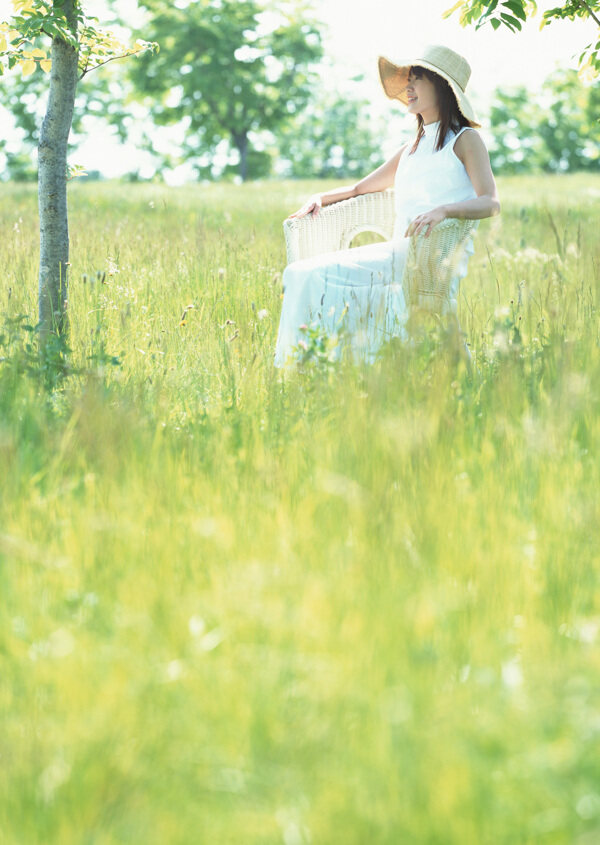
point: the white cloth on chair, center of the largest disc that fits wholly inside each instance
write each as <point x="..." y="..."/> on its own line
<point x="368" y="279"/>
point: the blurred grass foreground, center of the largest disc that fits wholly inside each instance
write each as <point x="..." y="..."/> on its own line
<point x="352" y="605"/>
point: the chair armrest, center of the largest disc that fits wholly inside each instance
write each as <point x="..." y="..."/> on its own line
<point x="336" y="225"/>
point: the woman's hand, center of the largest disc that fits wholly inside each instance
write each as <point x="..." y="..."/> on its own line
<point x="313" y="204"/>
<point x="426" y="222"/>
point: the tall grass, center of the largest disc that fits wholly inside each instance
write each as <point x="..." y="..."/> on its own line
<point x="353" y="605"/>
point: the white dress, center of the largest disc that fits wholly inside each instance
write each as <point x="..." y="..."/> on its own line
<point x="368" y="279"/>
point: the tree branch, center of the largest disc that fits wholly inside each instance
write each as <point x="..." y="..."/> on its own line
<point x="590" y="10"/>
<point x="85" y="67"/>
<point x="106" y="61"/>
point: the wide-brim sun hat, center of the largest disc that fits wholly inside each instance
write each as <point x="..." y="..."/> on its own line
<point x="451" y="66"/>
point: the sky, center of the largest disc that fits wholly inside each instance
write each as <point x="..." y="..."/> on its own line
<point x="357" y="31"/>
<point x="497" y="57"/>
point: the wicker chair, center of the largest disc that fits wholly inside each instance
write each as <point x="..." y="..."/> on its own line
<point x="431" y="262"/>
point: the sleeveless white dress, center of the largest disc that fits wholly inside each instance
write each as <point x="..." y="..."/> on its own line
<point x="368" y="279"/>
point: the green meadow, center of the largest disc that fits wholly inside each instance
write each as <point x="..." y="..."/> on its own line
<point x="349" y="605"/>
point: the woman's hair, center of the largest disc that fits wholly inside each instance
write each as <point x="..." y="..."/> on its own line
<point x="450" y="115"/>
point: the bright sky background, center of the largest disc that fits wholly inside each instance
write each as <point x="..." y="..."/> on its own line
<point x="357" y="31"/>
<point x="497" y="57"/>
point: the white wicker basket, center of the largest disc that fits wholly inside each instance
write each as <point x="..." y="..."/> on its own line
<point x="431" y="261"/>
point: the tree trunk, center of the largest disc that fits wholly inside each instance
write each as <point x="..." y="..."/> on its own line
<point x="52" y="181"/>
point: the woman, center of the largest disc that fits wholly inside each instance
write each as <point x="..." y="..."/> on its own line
<point x="444" y="173"/>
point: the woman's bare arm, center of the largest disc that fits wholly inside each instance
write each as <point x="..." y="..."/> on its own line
<point x="381" y="178"/>
<point x="378" y="180"/>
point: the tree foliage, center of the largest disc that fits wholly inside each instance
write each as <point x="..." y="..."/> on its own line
<point x="554" y="131"/>
<point x="333" y="138"/>
<point x="24" y="38"/>
<point x="513" y="13"/>
<point x="228" y="69"/>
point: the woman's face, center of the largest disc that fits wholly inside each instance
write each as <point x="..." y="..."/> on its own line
<point x="422" y="98"/>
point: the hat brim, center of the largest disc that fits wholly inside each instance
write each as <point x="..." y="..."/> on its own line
<point x="394" y="79"/>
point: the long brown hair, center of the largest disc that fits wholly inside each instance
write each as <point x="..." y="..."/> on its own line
<point x="450" y="115"/>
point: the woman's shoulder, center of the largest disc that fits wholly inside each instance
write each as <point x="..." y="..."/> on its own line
<point x="466" y="139"/>
<point x="463" y="132"/>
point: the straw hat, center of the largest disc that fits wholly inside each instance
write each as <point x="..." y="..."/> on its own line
<point x="441" y="60"/>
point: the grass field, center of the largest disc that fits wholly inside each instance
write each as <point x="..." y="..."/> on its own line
<point x="356" y="605"/>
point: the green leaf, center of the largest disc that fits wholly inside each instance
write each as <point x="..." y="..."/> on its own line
<point x="489" y="10"/>
<point x="510" y="20"/>
<point x="495" y="23"/>
<point x="557" y="12"/>
<point x="516" y="7"/>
